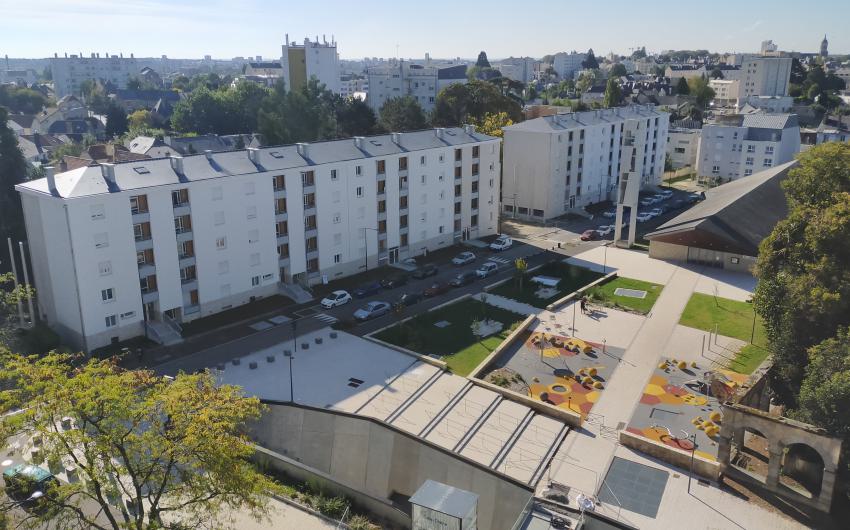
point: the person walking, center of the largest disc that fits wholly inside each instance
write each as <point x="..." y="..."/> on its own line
<point x="583" y="303"/>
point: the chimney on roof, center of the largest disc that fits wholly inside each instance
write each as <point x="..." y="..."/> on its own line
<point x="303" y="149"/>
<point x="469" y="129"/>
<point x="438" y="131"/>
<point x="396" y="138"/>
<point x="358" y="142"/>
<point x="108" y="171"/>
<point x="254" y="155"/>
<point x="177" y="164"/>
<point x="51" y="180"/>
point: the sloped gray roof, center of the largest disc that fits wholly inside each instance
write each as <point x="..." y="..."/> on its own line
<point x="561" y="122"/>
<point x="764" y="120"/>
<point x="444" y="498"/>
<point x="156" y="172"/>
<point x="734" y="217"/>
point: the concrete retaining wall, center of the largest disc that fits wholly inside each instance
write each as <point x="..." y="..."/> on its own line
<point x="709" y="469"/>
<point x="379" y="460"/>
<point x="560" y="302"/>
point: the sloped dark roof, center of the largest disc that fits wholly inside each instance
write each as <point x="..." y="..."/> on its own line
<point x="734" y="217"/>
<point x="24" y="120"/>
<point x="266" y="64"/>
<point x="452" y="72"/>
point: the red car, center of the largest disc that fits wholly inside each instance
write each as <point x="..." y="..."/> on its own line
<point x="589" y="235"/>
<point x="435" y="289"/>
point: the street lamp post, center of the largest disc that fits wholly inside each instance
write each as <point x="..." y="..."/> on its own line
<point x="693" y="439"/>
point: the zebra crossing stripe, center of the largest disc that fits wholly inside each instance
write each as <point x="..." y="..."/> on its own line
<point x="499" y="260"/>
<point x="325" y="318"/>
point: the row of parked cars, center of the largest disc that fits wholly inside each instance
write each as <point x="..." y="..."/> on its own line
<point x="377" y="308"/>
<point x="644" y="215"/>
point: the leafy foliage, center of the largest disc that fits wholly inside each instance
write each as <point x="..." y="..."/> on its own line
<point x="682" y="87"/>
<point x="699" y="89"/>
<point x="613" y="94"/>
<point x="116" y="121"/>
<point x="22" y="100"/>
<point x="618" y="70"/>
<point x="176" y="450"/>
<point x="13" y="170"/>
<point x="590" y="63"/>
<point x="220" y="111"/>
<point x="482" y="61"/>
<point x="491" y="124"/>
<point x="402" y="114"/>
<point x="458" y="104"/>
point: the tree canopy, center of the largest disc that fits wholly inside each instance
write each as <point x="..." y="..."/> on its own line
<point x="590" y="63"/>
<point x="699" y="89"/>
<point x="22" y="100"/>
<point x="482" y="61"/>
<point x="461" y="103"/>
<point x="220" y="111"/>
<point x="116" y="121"/>
<point x="174" y="451"/>
<point x="613" y="95"/>
<point x="13" y="170"/>
<point x="618" y="70"/>
<point x="803" y="292"/>
<point x="402" y="114"/>
<point x="682" y="87"/>
<point x="491" y="124"/>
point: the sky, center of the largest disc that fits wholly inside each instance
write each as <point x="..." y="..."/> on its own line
<point x="409" y="29"/>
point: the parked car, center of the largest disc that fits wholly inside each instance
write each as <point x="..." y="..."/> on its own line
<point x="372" y="310"/>
<point x="409" y="261"/>
<point x="590" y="235"/>
<point x="394" y="281"/>
<point x="695" y="197"/>
<point x="463" y="258"/>
<point x="666" y="193"/>
<point x="424" y="272"/>
<point x="610" y="214"/>
<point x="659" y="197"/>
<point x="27" y="484"/>
<point x="336" y="298"/>
<point x="677" y="204"/>
<point x="408" y="299"/>
<point x="464" y="278"/>
<point x="647" y="201"/>
<point x="655" y="212"/>
<point x="642" y="217"/>
<point x="435" y="289"/>
<point x="487" y="269"/>
<point x="604" y="230"/>
<point x="501" y="243"/>
<point x="367" y="290"/>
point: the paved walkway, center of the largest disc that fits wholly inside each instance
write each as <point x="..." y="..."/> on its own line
<point x="282" y="515"/>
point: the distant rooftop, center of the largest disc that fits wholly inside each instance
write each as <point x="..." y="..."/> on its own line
<point x="560" y="122"/>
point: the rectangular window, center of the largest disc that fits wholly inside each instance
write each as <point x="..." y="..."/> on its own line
<point x="217" y="193"/>
<point x="252" y="212"/>
<point x="218" y="218"/>
<point x="223" y="267"/>
<point x="751" y="149"/>
<point x="102" y="240"/>
<point x="475" y="186"/>
<point x="476" y="149"/>
<point x="381" y="167"/>
<point x="402" y="221"/>
<point x="474" y="170"/>
<point x="255" y="259"/>
<point x="105" y="268"/>
<point x="138" y="204"/>
<point x="182" y="224"/>
<point x="310" y="222"/>
<point x="313" y="265"/>
<point x="358" y="170"/>
<point x="97" y="212"/>
<point x="308" y="178"/>
<point x="334" y="175"/>
<point x="249" y="188"/>
<point x="253" y="236"/>
<point x="473" y="221"/>
<point x="768" y="149"/>
<point x="283" y="250"/>
<point x="768" y="162"/>
<point x="458" y="172"/>
<point x="312" y="243"/>
<point x="749" y="160"/>
<point x="337" y="218"/>
<point x="179" y="197"/>
<point x="255" y="281"/>
<point x="221" y="243"/>
<point x="748" y="172"/>
<point x="402" y="202"/>
<point x="458" y="155"/>
<point x="337" y="258"/>
<point x="422" y="160"/>
<point x="309" y="200"/>
<point x="382" y="206"/>
<point x="107" y="295"/>
<point x="279" y="206"/>
<point x="402" y="163"/>
<point x="186" y="249"/>
<point x="278" y="183"/>
<point x="111" y="321"/>
<point x="359" y="191"/>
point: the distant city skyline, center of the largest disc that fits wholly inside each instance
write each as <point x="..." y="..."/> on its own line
<point x="443" y="29"/>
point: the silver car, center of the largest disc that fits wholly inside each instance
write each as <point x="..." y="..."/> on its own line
<point x="463" y="258"/>
<point x="372" y="310"/>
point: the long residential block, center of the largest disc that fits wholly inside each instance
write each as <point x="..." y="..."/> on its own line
<point x="115" y="247"/>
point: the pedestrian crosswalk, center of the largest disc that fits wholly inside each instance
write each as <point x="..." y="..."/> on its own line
<point x="498" y="259"/>
<point x="326" y="318"/>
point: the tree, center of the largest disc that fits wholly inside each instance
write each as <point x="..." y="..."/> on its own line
<point x="586" y="80"/>
<point x="355" y="118"/>
<point x="682" y="87"/>
<point x="134" y="83"/>
<point x="482" y="61"/>
<point x="13" y="170"/>
<point x="699" y="89"/>
<point x="613" y="95"/>
<point x="402" y="114"/>
<point x="639" y="53"/>
<point x="462" y="103"/>
<point x="590" y="63"/>
<point x="825" y="392"/>
<point x="803" y="291"/>
<point x="491" y="124"/>
<point x="116" y="121"/>
<point x="717" y="73"/>
<point x="618" y="70"/>
<point x="140" y="118"/>
<point x="175" y="451"/>
<point x="303" y="115"/>
<point x="21" y="100"/>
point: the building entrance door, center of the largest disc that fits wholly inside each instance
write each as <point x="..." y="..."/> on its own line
<point x="393" y="255"/>
<point x="572" y="201"/>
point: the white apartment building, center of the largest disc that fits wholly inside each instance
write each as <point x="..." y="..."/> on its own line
<point x="725" y="91"/>
<point x="69" y="72"/>
<point x="741" y="145"/>
<point x="764" y="76"/>
<point x="421" y="82"/>
<point x="119" y="248"/>
<point x="554" y="164"/>
<point x="683" y="146"/>
<point x="301" y="62"/>
<point x="567" y="64"/>
<point x="517" y="68"/>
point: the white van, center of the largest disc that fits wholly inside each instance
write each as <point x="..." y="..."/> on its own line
<point x="501" y="243"/>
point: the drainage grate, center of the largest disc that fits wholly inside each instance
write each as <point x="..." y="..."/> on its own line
<point x="631" y="293"/>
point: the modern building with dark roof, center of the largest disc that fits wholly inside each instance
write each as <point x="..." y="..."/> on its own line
<point x="725" y="229"/>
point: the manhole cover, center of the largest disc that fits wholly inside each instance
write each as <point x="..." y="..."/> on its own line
<point x="631" y="293"/>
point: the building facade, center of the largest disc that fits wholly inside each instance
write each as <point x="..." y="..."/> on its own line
<point x="764" y="76"/>
<point x="683" y="147"/>
<point x="567" y="64"/>
<point x="70" y="72"/>
<point x="517" y="68"/>
<point x="741" y="145"/>
<point x="555" y="164"/>
<point x="423" y="82"/>
<point x="301" y="62"/>
<point x="117" y="246"/>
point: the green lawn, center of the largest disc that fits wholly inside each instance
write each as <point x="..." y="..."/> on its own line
<point x="733" y="319"/>
<point x="455" y="344"/>
<point x="572" y="278"/>
<point x="604" y="294"/>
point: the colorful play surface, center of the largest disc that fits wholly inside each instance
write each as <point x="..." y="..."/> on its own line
<point x="681" y="400"/>
<point x="566" y="372"/>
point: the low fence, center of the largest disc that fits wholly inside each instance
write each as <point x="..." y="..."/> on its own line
<point x="560" y="302"/>
<point x="703" y="467"/>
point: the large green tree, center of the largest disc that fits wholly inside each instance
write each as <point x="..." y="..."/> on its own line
<point x="13" y="170"/>
<point x="699" y="89"/>
<point x="590" y="62"/>
<point x="354" y="118"/>
<point x="613" y="94"/>
<point x="306" y="114"/>
<point x="482" y="61"/>
<point x="825" y="392"/>
<point x="803" y="292"/>
<point x="618" y="70"/>
<point x="682" y="87"/>
<point x="175" y="452"/>
<point x="116" y="121"/>
<point x="21" y="100"/>
<point x="460" y="103"/>
<point x="402" y="114"/>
